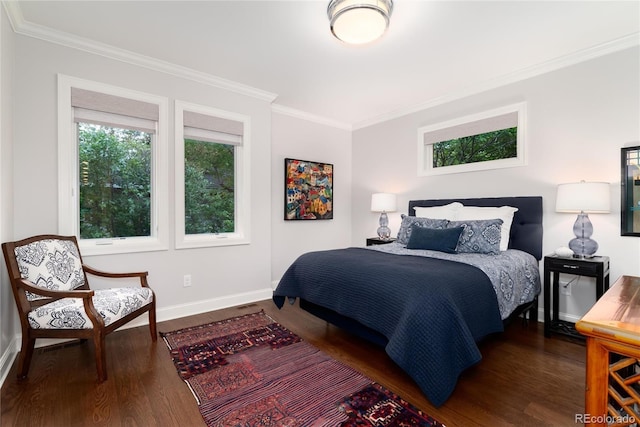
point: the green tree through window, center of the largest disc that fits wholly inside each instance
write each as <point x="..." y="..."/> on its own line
<point x="209" y="187"/>
<point x="115" y="173"/>
<point x="496" y="145"/>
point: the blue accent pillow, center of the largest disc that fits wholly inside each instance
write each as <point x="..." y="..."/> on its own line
<point x="408" y="223"/>
<point x="443" y="240"/>
<point x="479" y="236"/>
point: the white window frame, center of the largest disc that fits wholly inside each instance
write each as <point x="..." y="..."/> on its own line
<point x="425" y="150"/>
<point x="242" y="188"/>
<point x="68" y="173"/>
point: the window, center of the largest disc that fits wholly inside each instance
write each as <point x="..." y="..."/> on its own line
<point x="491" y="140"/>
<point x="112" y="167"/>
<point x="115" y="181"/>
<point x="212" y="181"/>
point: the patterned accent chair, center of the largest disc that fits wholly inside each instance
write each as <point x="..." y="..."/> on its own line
<point x="50" y="286"/>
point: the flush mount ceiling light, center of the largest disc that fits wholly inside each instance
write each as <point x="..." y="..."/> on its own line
<point x="359" y="21"/>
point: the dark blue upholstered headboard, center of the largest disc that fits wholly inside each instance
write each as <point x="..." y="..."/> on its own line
<point x="526" y="229"/>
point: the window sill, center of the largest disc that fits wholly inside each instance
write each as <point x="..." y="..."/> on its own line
<point x="120" y="246"/>
<point x="211" y="240"/>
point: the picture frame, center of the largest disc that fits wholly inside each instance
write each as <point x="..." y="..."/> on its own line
<point x="308" y="190"/>
<point x="630" y="191"/>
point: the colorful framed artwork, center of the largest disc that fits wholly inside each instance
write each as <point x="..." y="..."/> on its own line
<point x="308" y="192"/>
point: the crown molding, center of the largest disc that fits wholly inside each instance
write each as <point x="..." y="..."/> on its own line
<point x="20" y="26"/>
<point x="622" y="43"/>
<point x="14" y="13"/>
<point x="281" y="109"/>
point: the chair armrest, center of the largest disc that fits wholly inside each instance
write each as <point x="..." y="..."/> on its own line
<point x="79" y="293"/>
<point x="101" y="273"/>
<point x="141" y="274"/>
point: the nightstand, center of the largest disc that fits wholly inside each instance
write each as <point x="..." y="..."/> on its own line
<point x="597" y="267"/>
<point x="378" y="241"/>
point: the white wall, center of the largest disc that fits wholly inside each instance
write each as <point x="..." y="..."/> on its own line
<point x="221" y="276"/>
<point x="8" y="319"/>
<point x="578" y="118"/>
<point x="308" y="140"/>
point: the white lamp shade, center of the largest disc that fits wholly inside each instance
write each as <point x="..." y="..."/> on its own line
<point x="383" y="202"/>
<point x="588" y="197"/>
<point x="359" y="21"/>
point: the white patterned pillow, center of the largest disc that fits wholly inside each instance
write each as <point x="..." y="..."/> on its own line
<point x="479" y="236"/>
<point x="505" y="213"/>
<point x="51" y="264"/>
<point x="68" y="313"/>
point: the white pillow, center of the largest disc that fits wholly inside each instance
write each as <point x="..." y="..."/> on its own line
<point x="438" y="212"/>
<point x="505" y="213"/>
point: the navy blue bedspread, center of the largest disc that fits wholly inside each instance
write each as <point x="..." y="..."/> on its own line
<point x="432" y="311"/>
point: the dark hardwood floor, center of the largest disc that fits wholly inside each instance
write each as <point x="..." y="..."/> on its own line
<point x="523" y="379"/>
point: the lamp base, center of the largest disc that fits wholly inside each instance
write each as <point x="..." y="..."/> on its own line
<point x="384" y="232"/>
<point x="583" y="246"/>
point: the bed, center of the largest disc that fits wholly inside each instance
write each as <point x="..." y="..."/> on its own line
<point x="429" y="308"/>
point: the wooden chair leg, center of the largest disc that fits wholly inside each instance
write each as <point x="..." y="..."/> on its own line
<point x="26" y="352"/>
<point x="101" y="356"/>
<point x="152" y="322"/>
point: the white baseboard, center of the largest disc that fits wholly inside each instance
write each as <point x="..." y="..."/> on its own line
<point x="183" y="310"/>
<point x="168" y="313"/>
<point x="8" y="356"/>
<point x="562" y="316"/>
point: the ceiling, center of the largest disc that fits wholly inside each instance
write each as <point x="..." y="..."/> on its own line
<point x="433" y="51"/>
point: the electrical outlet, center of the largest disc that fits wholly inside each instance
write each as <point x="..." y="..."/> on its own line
<point x="186" y="281"/>
<point x="565" y="289"/>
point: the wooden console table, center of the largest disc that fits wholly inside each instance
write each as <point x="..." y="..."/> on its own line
<point x="612" y="328"/>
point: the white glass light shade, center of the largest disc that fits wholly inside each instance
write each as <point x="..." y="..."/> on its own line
<point x="588" y="197"/>
<point x="359" y="21"/>
<point x="383" y="202"/>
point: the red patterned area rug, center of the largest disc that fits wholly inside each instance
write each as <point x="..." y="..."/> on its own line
<point x="251" y="371"/>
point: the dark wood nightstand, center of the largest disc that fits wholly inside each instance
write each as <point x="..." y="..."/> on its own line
<point x="378" y="241"/>
<point x="597" y="267"/>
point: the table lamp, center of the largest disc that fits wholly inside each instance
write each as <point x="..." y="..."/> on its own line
<point x="383" y="203"/>
<point x="583" y="198"/>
